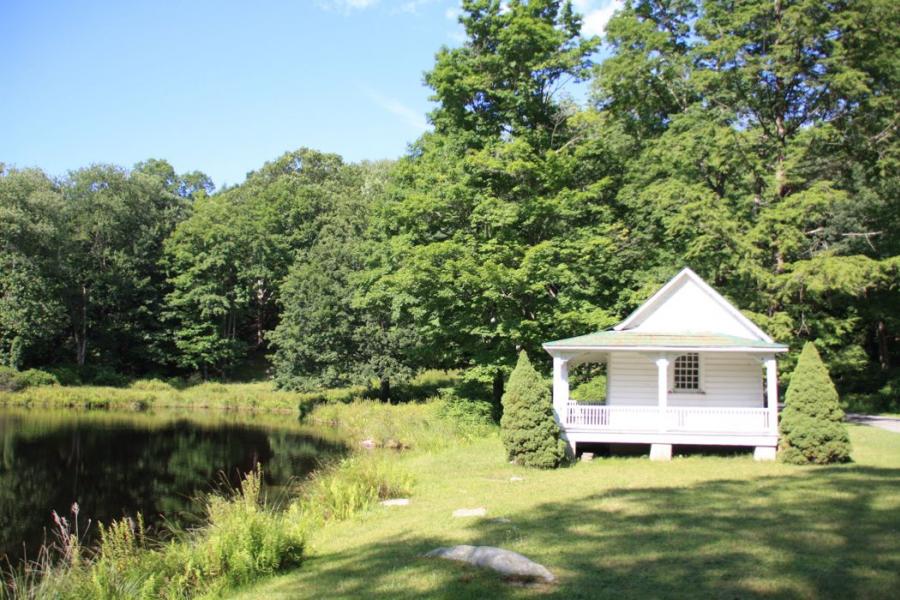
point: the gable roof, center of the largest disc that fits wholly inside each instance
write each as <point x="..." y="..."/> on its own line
<point x="683" y="326"/>
<point x="665" y="292"/>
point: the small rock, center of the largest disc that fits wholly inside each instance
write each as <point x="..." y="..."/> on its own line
<point x="395" y="502"/>
<point x="369" y="444"/>
<point x="515" y="478"/>
<point x="470" y="512"/>
<point x="511" y="565"/>
<point x="587" y="456"/>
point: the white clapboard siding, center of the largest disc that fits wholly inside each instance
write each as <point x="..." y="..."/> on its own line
<point x="631" y="379"/>
<point x="727" y="380"/>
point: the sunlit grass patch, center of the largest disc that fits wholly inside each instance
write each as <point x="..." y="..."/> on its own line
<point x="697" y="527"/>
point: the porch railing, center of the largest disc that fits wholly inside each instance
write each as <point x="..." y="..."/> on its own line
<point x="699" y="419"/>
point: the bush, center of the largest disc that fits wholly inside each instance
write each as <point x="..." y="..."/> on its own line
<point x="9" y="380"/>
<point x="593" y="390"/>
<point x="36" y="377"/>
<point x="12" y="380"/>
<point x="152" y="385"/>
<point x="812" y="424"/>
<point x="527" y="428"/>
<point x="66" y="375"/>
<point x="472" y="418"/>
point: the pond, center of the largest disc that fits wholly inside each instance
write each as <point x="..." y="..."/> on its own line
<point x="116" y="464"/>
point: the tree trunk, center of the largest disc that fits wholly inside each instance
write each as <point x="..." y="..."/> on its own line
<point x="498" y="388"/>
<point x="884" y="358"/>
<point x="81" y="336"/>
<point x="259" y="327"/>
<point x="385" y="391"/>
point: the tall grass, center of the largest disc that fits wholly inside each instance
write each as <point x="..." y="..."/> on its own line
<point x="353" y="486"/>
<point x="421" y="426"/>
<point x="155" y="393"/>
<point x="243" y="540"/>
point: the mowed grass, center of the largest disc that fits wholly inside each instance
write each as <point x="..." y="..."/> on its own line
<point x="698" y="527"/>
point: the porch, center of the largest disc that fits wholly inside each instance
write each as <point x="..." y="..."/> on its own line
<point x="687" y="395"/>
<point x="671" y="426"/>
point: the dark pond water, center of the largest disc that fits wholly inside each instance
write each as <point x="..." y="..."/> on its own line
<point x="119" y="464"/>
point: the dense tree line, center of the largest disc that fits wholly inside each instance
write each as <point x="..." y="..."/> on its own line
<point x="754" y="141"/>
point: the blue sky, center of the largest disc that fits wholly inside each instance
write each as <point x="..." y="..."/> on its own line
<point x="219" y="86"/>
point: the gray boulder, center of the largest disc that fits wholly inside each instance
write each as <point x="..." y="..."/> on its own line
<point x="510" y="565"/>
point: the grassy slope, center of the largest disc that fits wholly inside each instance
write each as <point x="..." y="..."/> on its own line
<point x="710" y="527"/>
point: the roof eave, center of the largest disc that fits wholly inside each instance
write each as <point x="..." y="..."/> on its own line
<point x="600" y="348"/>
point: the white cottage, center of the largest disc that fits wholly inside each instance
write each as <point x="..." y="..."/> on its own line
<point x="685" y="368"/>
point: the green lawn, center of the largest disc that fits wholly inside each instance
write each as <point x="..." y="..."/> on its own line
<point x="705" y="527"/>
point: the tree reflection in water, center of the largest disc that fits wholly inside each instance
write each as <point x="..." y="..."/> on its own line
<point x="117" y="464"/>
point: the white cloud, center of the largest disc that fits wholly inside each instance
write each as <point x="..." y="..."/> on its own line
<point x="412" y="6"/>
<point x="596" y="14"/>
<point x="415" y="119"/>
<point x="347" y="6"/>
<point x="395" y="6"/>
<point x="452" y="14"/>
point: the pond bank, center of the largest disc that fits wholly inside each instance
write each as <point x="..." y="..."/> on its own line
<point x="144" y="395"/>
<point x="247" y="536"/>
<point x="155" y="462"/>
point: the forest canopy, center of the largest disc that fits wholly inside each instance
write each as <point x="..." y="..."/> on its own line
<point x="753" y="141"/>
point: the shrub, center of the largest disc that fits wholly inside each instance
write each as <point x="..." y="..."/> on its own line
<point x="12" y="380"/>
<point x="812" y="426"/>
<point x="152" y="385"/>
<point x="66" y="375"/>
<point x="36" y="377"/>
<point x="593" y="389"/>
<point x="9" y="380"/>
<point x="103" y="376"/>
<point x="527" y="428"/>
<point x="472" y="418"/>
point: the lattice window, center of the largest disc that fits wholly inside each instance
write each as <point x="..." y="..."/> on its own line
<point x="687" y="373"/>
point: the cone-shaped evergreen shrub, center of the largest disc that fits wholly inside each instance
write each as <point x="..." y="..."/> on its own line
<point x="527" y="428"/>
<point x="812" y="424"/>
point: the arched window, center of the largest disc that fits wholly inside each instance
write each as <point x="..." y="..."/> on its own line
<point x="687" y="373"/>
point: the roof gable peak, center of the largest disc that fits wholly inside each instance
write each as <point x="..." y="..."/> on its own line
<point x="686" y="303"/>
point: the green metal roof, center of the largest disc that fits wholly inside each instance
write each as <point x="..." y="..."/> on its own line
<point x="643" y="339"/>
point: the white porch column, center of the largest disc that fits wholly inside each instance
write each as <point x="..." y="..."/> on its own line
<point x="662" y="389"/>
<point x="772" y="393"/>
<point x="560" y="388"/>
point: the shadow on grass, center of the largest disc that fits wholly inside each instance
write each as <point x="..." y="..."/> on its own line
<point x="824" y="533"/>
